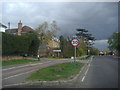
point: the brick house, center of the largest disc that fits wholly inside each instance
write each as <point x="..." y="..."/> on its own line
<point x="20" y="30"/>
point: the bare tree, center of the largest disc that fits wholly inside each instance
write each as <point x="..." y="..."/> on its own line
<point x="46" y="31"/>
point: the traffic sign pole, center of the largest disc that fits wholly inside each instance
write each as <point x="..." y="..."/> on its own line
<point x="75" y="42"/>
<point x="75" y="55"/>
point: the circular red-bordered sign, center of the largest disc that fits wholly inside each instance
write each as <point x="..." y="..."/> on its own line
<point x="75" y="42"/>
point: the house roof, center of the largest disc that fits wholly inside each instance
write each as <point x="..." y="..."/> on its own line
<point x="24" y="29"/>
<point x="11" y="30"/>
<point x="3" y="25"/>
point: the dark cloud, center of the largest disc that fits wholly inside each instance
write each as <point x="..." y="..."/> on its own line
<point x="99" y="18"/>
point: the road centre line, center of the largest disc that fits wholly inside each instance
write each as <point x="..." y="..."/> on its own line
<point x="21" y="66"/>
<point x="25" y="66"/>
<point x="17" y="75"/>
<point x="21" y="73"/>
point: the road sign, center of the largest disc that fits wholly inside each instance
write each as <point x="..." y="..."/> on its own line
<point x="75" y="42"/>
<point x="56" y="50"/>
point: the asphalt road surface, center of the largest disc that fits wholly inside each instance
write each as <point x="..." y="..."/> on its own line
<point x="101" y="72"/>
<point x="16" y="74"/>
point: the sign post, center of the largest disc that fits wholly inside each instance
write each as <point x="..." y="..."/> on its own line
<point x="75" y="42"/>
<point x="58" y="51"/>
<point x="75" y="54"/>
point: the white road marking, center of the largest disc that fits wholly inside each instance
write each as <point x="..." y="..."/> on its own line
<point x="21" y="66"/>
<point x="89" y="65"/>
<point x="24" y="66"/>
<point x="12" y="85"/>
<point x="86" y="71"/>
<point x="13" y="67"/>
<point x="17" y="75"/>
<point x="83" y="79"/>
<point x="21" y="73"/>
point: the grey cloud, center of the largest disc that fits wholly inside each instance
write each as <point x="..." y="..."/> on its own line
<point x="101" y="44"/>
<point x="99" y="18"/>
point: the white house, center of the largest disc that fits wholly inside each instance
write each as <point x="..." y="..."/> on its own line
<point x="2" y="27"/>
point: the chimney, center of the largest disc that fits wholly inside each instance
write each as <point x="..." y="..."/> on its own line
<point x="19" y="28"/>
<point x="9" y="26"/>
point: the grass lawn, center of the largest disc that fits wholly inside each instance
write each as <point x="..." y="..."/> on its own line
<point x="56" y="72"/>
<point x="17" y="61"/>
<point x="84" y="58"/>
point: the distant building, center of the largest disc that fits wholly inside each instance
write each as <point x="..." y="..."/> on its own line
<point x="20" y="30"/>
<point x="53" y="44"/>
<point x="2" y="27"/>
<point x="42" y="50"/>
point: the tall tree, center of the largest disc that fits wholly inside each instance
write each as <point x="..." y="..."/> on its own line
<point x="114" y="42"/>
<point x="86" y="39"/>
<point x="81" y="49"/>
<point x="66" y="48"/>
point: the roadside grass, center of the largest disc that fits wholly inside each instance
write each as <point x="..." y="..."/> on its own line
<point x="85" y="58"/>
<point x="17" y="61"/>
<point x="50" y="58"/>
<point x="56" y="72"/>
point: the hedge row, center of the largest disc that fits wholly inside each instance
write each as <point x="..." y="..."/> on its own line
<point x="18" y="45"/>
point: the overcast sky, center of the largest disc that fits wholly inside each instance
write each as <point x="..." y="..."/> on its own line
<point x="99" y="18"/>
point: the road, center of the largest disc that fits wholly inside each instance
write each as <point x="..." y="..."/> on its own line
<point x="101" y="72"/>
<point x="18" y="73"/>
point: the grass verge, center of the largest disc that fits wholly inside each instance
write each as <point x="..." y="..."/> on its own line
<point x="17" y="61"/>
<point x="56" y="72"/>
<point x="84" y="58"/>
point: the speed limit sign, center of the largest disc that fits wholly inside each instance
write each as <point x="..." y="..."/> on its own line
<point x="75" y="42"/>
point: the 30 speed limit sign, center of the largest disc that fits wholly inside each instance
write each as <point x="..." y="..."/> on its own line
<point x="75" y="42"/>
